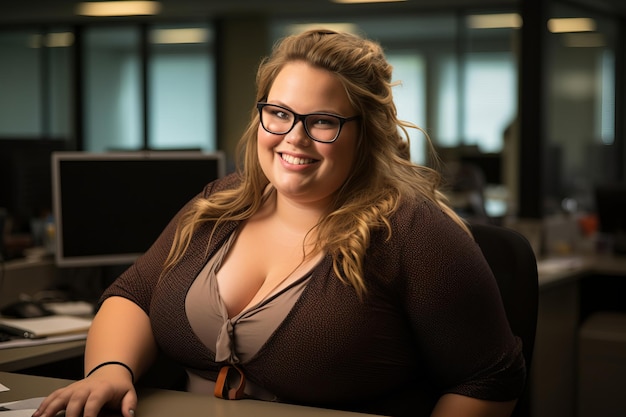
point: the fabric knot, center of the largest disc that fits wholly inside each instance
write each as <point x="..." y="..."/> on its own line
<point x="225" y="344"/>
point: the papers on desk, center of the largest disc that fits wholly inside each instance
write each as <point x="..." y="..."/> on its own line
<point x="71" y="308"/>
<point x="559" y="265"/>
<point x="45" y="330"/>
<point x="16" y="343"/>
<point x="17" y="413"/>
<point x="22" y="408"/>
<point x="49" y="325"/>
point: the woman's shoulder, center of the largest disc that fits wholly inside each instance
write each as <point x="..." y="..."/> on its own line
<point x="419" y="208"/>
<point x="419" y="218"/>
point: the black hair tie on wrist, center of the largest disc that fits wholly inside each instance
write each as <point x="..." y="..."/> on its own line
<point x="132" y="375"/>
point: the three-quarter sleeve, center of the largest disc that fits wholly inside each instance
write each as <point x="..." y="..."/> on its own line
<point x="456" y="311"/>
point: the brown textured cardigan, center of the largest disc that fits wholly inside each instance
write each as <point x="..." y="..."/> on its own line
<point x="432" y="322"/>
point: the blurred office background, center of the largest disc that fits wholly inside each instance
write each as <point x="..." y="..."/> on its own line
<point x="524" y="99"/>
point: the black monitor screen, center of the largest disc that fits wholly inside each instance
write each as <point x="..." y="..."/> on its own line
<point x="25" y="183"/>
<point x="611" y="208"/>
<point x="611" y="211"/>
<point x="109" y="208"/>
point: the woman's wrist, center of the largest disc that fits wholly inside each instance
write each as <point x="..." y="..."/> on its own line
<point x="108" y="363"/>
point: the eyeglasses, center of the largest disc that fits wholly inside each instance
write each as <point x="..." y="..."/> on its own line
<point x="321" y="127"/>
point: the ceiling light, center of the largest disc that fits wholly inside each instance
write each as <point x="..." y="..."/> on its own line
<point x="183" y="35"/>
<point x="575" y="24"/>
<point x="494" y="21"/>
<point x="118" y="8"/>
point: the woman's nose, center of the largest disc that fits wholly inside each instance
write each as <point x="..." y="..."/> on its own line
<point x="297" y="135"/>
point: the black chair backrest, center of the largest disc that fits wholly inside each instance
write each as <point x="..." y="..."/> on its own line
<point x="514" y="265"/>
<point x="3" y="218"/>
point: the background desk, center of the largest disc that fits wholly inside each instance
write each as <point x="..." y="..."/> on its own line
<point x="162" y="403"/>
<point x="570" y="289"/>
<point x="22" y="358"/>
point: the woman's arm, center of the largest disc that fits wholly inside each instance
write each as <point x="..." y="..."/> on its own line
<point x="461" y="406"/>
<point x="120" y="332"/>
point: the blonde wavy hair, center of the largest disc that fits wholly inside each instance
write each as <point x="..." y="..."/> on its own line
<point x="382" y="173"/>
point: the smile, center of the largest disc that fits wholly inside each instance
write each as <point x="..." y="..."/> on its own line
<point x="294" y="160"/>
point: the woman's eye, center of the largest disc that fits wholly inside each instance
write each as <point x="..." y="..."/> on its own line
<point x="280" y="114"/>
<point x="324" y="122"/>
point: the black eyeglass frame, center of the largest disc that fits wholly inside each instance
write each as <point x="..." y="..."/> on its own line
<point x="302" y="117"/>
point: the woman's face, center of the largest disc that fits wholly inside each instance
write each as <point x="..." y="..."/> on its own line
<point x="301" y="169"/>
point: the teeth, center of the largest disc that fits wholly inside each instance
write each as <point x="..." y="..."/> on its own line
<point x="295" y="160"/>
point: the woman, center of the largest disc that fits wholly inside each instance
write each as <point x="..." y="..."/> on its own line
<point x="328" y="271"/>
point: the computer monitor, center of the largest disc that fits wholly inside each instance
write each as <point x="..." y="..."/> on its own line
<point x="25" y="182"/>
<point x="110" y="207"/>
<point x="611" y="211"/>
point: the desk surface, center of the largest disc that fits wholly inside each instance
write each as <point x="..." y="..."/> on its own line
<point x="161" y="403"/>
<point x="555" y="271"/>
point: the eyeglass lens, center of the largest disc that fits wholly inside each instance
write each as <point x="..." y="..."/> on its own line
<point x="320" y="127"/>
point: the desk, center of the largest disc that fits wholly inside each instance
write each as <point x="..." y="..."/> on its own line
<point x="563" y="289"/>
<point x="557" y="271"/>
<point x="163" y="403"/>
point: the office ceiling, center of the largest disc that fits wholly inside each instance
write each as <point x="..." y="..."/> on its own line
<point x="62" y="11"/>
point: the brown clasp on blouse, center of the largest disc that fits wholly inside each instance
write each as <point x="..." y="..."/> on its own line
<point x="228" y="376"/>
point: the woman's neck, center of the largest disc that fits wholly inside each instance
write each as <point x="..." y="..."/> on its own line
<point x="292" y="216"/>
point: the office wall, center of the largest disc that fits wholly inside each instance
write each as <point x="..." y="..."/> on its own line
<point x="243" y="41"/>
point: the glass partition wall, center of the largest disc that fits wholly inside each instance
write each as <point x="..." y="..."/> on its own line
<point x="133" y="85"/>
<point x="149" y="87"/>
<point x="181" y="74"/>
<point x="580" y="150"/>
<point x="36" y="91"/>
<point x="99" y="87"/>
<point x="112" y="94"/>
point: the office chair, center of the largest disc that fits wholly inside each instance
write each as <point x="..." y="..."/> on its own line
<point x="514" y="266"/>
<point x="3" y="220"/>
